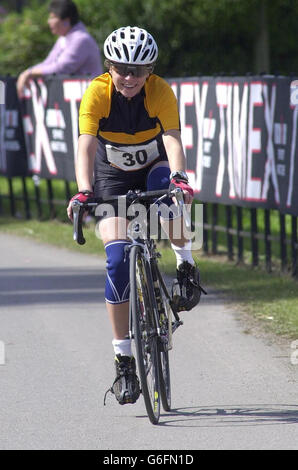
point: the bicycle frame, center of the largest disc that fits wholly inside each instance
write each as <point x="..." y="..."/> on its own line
<point x="149" y="251"/>
<point x="143" y="240"/>
<point x="151" y="306"/>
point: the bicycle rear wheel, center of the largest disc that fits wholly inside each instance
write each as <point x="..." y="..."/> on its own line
<point x="144" y="332"/>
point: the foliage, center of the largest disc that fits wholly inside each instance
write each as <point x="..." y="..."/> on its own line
<point x="194" y="36"/>
<point x="283" y="16"/>
<point x="24" y="39"/>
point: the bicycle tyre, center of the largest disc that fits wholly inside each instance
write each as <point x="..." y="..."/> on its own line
<point x="165" y="380"/>
<point x="164" y="346"/>
<point x="144" y="332"/>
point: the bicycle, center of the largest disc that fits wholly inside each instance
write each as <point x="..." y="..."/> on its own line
<point x="153" y="314"/>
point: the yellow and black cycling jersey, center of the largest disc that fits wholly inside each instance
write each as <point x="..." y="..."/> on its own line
<point x="108" y="114"/>
<point x="129" y="131"/>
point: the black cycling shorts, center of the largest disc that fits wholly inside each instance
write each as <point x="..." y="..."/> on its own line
<point x="154" y="177"/>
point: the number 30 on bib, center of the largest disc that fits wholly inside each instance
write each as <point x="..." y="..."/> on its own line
<point x="132" y="157"/>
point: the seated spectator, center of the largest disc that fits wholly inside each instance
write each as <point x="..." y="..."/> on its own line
<point x="75" y="51"/>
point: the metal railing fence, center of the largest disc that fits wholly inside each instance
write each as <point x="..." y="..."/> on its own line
<point x="236" y="230"/>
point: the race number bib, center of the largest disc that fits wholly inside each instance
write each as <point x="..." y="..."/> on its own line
<point x="132" y="157"/>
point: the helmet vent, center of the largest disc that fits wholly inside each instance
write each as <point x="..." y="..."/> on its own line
<point x="137" y="53"/>
<point x="126" y="52"/>
<point x="145" y="54"/>
<point x="117" y="52"/>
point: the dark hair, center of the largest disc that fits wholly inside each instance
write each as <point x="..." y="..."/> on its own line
<point x="65" y="9"/>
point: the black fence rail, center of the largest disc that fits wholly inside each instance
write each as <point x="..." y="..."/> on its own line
<point x="223" y="226"/>
<point x="235" y="237"/>
<point x="43" y="206"/>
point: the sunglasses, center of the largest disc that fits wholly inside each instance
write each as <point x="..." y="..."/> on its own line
<point x="135" y="70"/>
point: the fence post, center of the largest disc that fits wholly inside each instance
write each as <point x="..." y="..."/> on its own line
<point x="282" y="238"/>
<point x="67" y="190"/>
<point x="267" y="240"/>
<point x="11" y="197"/>
<point x="213" y="229"/>
<point x="254" y="240"/>
<point x="239" y="235"/>
<point x="50" y="199"/>
<point x="26" y="198"/>
<point x="294" y="246"/>
<point x="205" y="230"/>
<point x="1" y="203"/>
<point x="36" y="181"/>
<point x="229" y="235"/>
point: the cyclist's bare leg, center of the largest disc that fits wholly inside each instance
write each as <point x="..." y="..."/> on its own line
<point x="126" y="384"/>
<point x="115" y="228"/>
<point x="175" y="230"/>
<point x="180" y="240"/>
<point x="187" y="290"/>
<point x="118" y="314"/>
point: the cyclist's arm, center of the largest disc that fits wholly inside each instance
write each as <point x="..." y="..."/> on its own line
<point x="173" y="145"/>
<point x="175" y="153"/>
<point x="87" y="146"/>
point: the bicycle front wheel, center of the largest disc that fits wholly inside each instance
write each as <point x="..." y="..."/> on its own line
<point x="165" y="380"/>
<point x="165" y="341"/>
<point x="144" y="331"/>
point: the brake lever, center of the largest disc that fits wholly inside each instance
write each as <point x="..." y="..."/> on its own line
<point x="78" y="212"/>
<point x="178" y="194"/>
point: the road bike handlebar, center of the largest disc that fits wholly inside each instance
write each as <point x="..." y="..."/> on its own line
<point x="78" y="207"/>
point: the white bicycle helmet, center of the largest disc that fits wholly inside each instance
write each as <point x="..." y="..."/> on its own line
<point x="131" y="45"/>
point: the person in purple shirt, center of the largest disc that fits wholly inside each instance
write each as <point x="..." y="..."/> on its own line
<point x="75" y="51"/>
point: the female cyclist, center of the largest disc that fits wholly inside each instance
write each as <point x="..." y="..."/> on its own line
<point x="130" y="139"/>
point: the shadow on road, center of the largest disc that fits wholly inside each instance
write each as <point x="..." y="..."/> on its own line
<point x="238" y="415"/>
<point x="27" y="286"/>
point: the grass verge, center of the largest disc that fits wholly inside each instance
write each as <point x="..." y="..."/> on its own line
<point x="272" y="299"/>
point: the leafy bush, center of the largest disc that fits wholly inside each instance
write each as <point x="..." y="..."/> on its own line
<point x="24" y="39"/>
<point x="194" y="36"/>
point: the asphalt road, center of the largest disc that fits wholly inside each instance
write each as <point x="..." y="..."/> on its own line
<point x="231" y="390"/>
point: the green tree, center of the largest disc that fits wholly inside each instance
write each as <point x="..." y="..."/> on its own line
<point x="194" y="36"/>
<point x="25" y="39"/>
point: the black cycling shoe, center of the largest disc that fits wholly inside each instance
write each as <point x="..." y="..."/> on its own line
<point x="186" y="290"/>
<point x="126" y="387"/>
